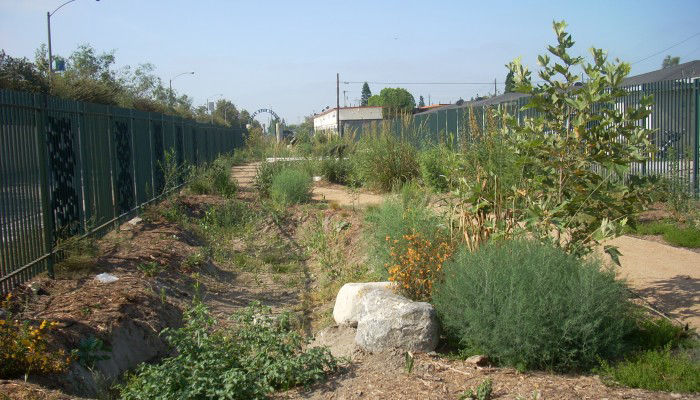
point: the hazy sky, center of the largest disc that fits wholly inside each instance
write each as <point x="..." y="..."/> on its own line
<point x="285" y="54"/>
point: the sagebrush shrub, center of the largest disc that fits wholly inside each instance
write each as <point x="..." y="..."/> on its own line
<point x="533" y="306"/>
<point x="291" y="186"/>
<point x="259" y="355"/>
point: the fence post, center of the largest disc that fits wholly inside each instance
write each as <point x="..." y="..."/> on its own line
<point x="696" y="156"/>
<point x="44" y="188"/>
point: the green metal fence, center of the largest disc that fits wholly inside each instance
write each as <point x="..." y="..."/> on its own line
<point x="70" y="168"/>
<point x="675" y="120"/>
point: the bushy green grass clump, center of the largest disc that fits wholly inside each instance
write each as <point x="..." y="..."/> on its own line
<point x="291" y="186"/>
<point x="336" y="170"/>
<point x="215" y="179"/>
<point x="683" y="236"/>
<point x="533" y="306"/>
<point x="385" y="162"/>
<point x="655" y="370"/>
<point x="259" y="355"/>
<point x="398" y="217"/>
<point x="436" y="166"/>
<point x="266" y="173"/>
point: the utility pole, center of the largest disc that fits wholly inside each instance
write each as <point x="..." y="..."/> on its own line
<point x="48" y="28"/>
<point x="495" y="92"/>
<point x="337" y="102"/>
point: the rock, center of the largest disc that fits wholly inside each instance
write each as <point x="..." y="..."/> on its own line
<point x="106" y="278"/>
<point x="347" y="302"/>
<point x="478" y="360"/>
<point x="388" y="320"/>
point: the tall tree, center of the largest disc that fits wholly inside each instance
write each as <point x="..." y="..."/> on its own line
<point x="396" y="101"/>
<point x="421" y="101"/>
<point x="20" y="74"/>
<point x="366" y="94"/>
<point x="670" y="61"/>
<point x="510" y="83"/>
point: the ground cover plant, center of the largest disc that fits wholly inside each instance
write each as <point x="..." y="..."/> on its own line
<point x="683" y="235"/>
<point x="260" y="354"/>
<point x="655" y="370"/>
<point x="531" y="305"/>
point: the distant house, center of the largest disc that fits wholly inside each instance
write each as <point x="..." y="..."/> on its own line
<point x="350" y="117"/>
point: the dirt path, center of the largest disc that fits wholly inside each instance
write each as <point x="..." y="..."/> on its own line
<point x="667" y="277"/>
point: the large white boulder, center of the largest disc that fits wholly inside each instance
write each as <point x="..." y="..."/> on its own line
<point x="347" y="302"/>
<point x="388" y="320"/>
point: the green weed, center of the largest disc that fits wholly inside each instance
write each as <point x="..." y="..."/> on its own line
<point x="260" y="355"/>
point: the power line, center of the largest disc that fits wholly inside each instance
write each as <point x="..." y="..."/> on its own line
<point x="424" y="83"/>
<point x="666" y="49"/>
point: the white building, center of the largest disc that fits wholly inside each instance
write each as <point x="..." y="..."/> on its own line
<point x="349" y="116"/>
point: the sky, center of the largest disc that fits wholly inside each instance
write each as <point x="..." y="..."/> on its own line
<point x="285" y="55"/>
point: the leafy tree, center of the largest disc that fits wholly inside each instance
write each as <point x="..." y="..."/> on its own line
<point x="366" y="94"/>
<point x="421" y="101"/>
<point x="509" y="83"/>
<point x="670" y="61"/>
<point x="374" y="101"/>
<point x="396" y="101"/>
<point x="225" y="113"/>
<point x="571" y="137"/>
<point x="20" y="74"/>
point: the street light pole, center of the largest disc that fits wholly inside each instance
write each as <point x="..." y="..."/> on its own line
<point x="170" y="96"/>
<point x="211" y="113"/>
<point x="48" y="28"/>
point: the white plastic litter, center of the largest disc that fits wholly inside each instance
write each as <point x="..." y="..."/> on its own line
<point x="317" y="178"/>
<point x="106" y="278"/>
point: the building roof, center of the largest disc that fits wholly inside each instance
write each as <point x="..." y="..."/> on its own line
<point x="343" y="108"/>
<point x="687" y="70"/>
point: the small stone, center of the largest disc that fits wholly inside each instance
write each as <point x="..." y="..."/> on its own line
<point x="479" y="360"/>
<point x="106" y="278"/>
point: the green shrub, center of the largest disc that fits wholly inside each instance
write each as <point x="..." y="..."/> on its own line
<point x="437" y="165"/>
<point x="395" y="220"/>
<point x="384" y="162"/>
<point x="336" y="170"/>
<point x="265" y="173"/>
<point x="260" y="355"/>
<point x="533" y="306"/>
<point x="655" y="370"/>
<point x="291" y="186"/>
<point x="215" y="179"/>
